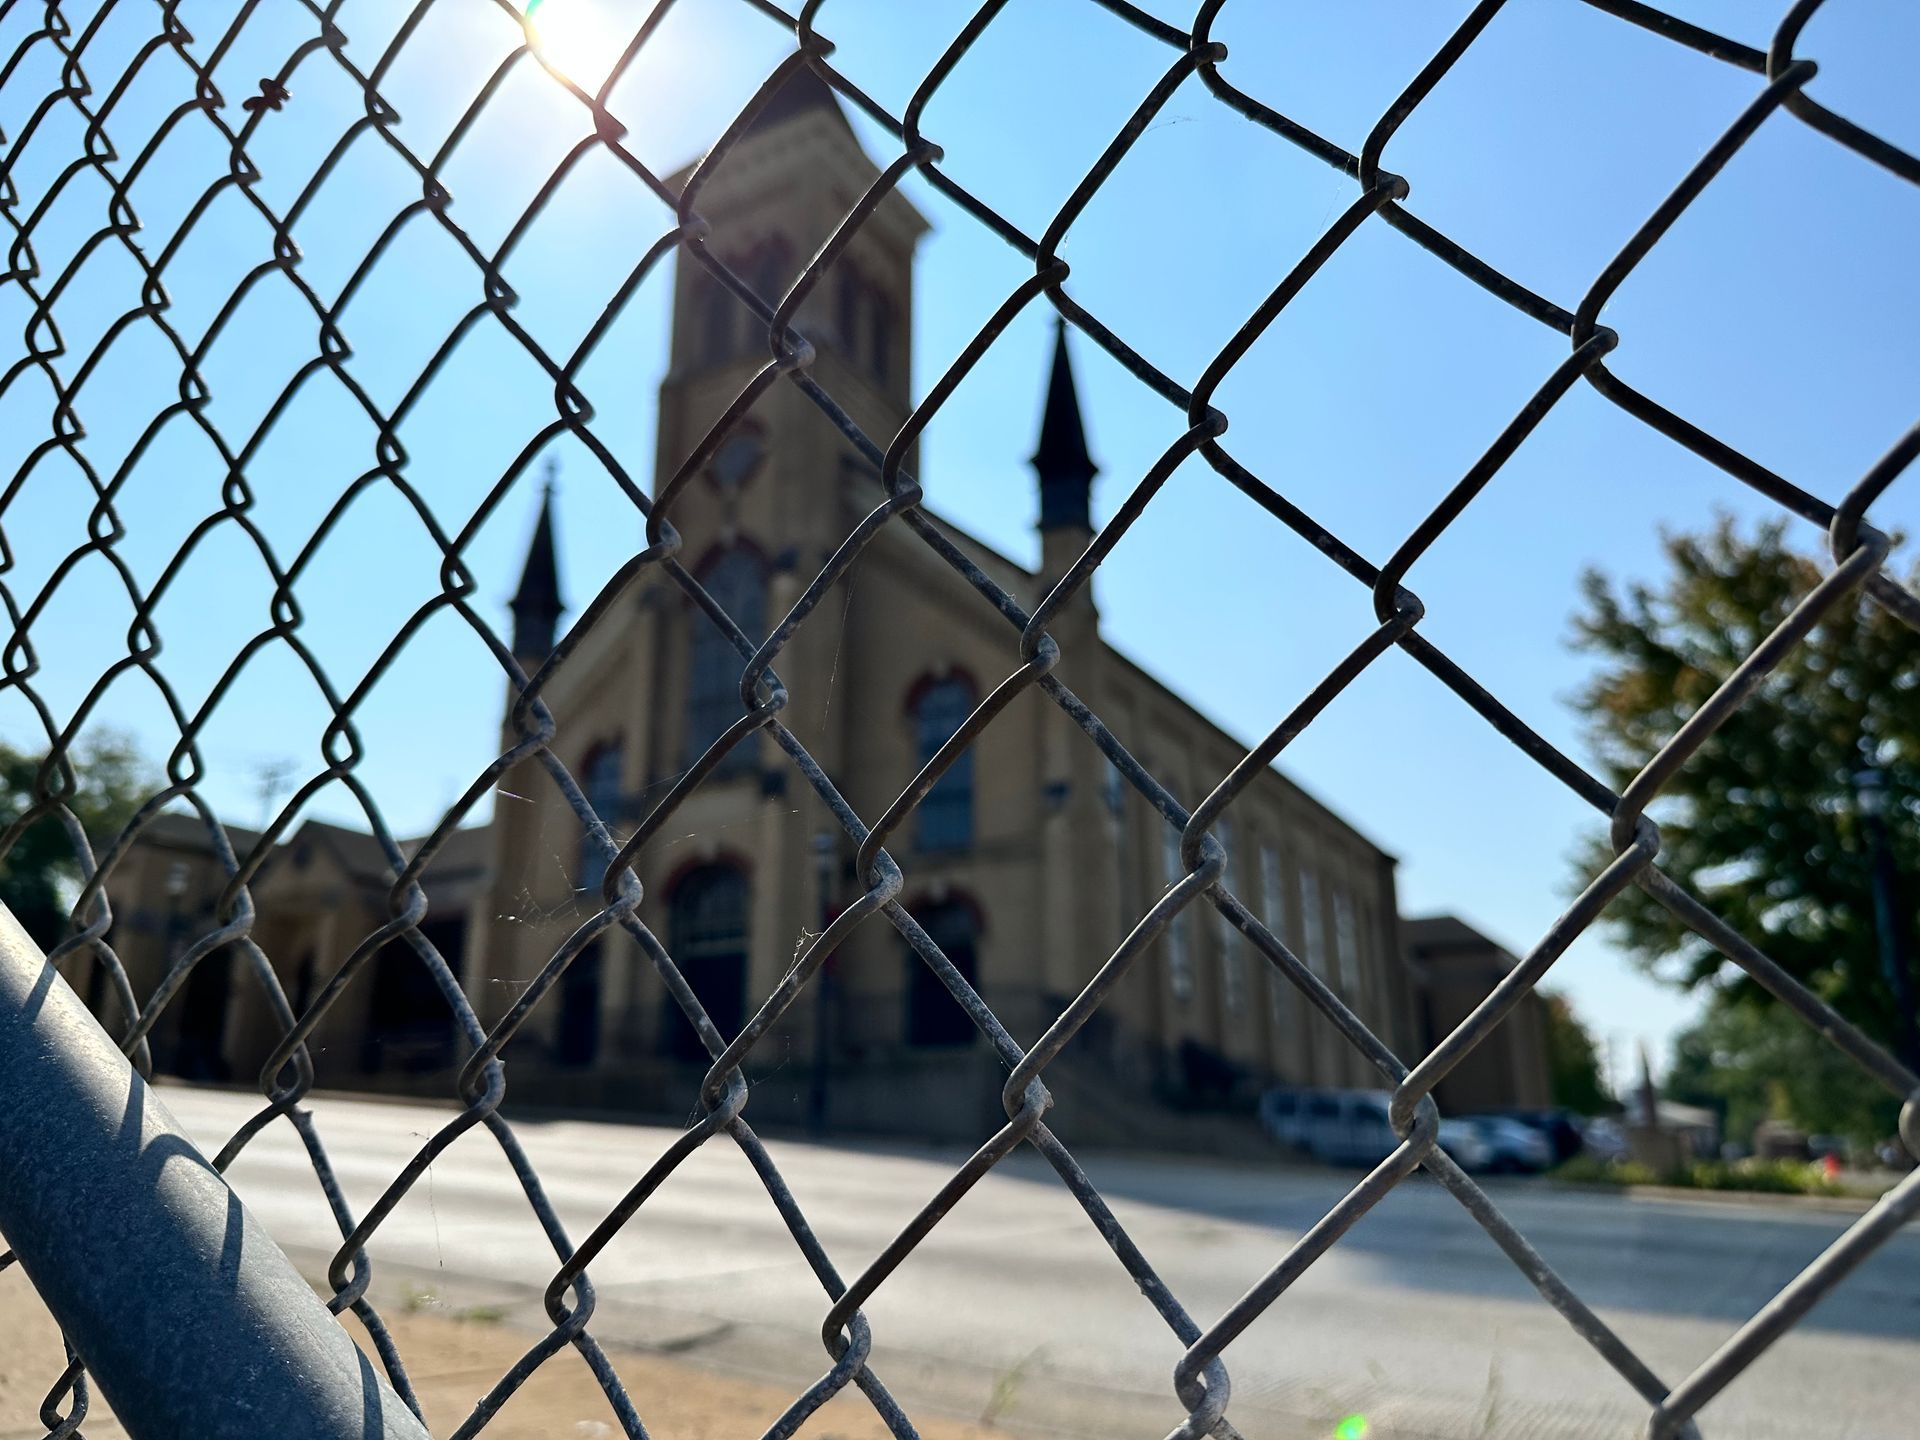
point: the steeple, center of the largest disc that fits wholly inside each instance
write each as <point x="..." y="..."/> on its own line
<point x="1065" y="468"/>
<point x="537" y="606"/>
<point x="801" y="93"/>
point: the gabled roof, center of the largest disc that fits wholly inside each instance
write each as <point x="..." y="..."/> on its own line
<point x="465" y="849"/>
<point x="180" y="830"/>
<point x="357" y="851"/>
<point x="462" y="856"/>
<point x="1449" y="939"/>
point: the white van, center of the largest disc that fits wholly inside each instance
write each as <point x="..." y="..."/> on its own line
<point x="1350" y="1127"/>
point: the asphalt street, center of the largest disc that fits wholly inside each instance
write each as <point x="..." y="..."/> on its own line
<point x="1015" y="1308"/>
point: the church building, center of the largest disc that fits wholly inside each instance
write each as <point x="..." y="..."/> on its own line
<point x="1029" y="860"/>
<point x="1027" y="863"/>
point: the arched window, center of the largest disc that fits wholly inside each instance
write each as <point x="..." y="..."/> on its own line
<point x="716" y="316"/>
<point x="849" y="316"/>
<point x="772" y="271"/>
<point x="1313" y="934"/>
<point x="1179" y="932"/>
<point x="1233" y="958"/>
<point x="934" y="1017"/>
<point x="737" y="580"/>
<point x="707" y="937"/>
<point x="880" y="337"/>
<point x="1346" y="944"/>
<point x="1273" y="898"/>
<point x="946" y="814"/>
<point x="576" y="1041"/>
<point x="600" y="780"/>
<point x="767" y="270"/>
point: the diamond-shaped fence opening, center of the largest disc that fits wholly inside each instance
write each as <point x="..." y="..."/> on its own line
<point x="781" y="332"/>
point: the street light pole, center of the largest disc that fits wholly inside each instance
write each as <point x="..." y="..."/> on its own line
<point x="825" y="853"/>
<point x="1871" y="787"/>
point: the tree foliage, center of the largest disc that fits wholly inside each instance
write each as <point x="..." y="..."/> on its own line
<point x="1573" y="1061"/>
<point x="40" y="876"/>
<point x="1763" y="824"/>
<point x="1755" y="1062"/>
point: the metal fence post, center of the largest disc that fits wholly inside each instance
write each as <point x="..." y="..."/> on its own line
<point x="188" y="1316"/>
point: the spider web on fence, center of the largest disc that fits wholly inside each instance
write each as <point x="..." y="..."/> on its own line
<point x="64" y="34"/>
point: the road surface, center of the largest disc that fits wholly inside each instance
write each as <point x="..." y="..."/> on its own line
<point x="1015" y="1308"/>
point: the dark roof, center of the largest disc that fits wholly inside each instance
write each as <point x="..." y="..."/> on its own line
<point x="359" y="853"/>
<point x="1065" y="468"/>
<point x="465" y="849"/>
<point x="1447" y="937"/>
<point x="461" y="856"/>
<point x="181" y="830"/>
<point x="537" y="605"/>
<point x="804" y="93"/>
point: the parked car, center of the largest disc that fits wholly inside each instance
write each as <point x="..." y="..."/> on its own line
<point x="1605" y="1139"/>
<point x="1465" y="1145"/>
<point x="1511" y="1146"/>
<point x="1351" y="1127"/>
<point x="1561" y="1127"/>
<point x="1337" y="1127"/>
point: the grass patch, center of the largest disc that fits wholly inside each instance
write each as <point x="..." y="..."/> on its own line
<point x="1761" y="1177"/>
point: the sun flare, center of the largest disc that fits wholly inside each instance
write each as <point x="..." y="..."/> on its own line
<point x="579" y="38"/>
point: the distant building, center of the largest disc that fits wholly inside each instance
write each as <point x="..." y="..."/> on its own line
<point x="316" y="897"/>
<point x="1453" y="967"/>
<point x="1027" y="863"/>
<point x="164" y="893"/>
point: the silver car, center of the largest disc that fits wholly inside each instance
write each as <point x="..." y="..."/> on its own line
<point x="1350" y="1127"/>
<point x="1512" y="1146"/>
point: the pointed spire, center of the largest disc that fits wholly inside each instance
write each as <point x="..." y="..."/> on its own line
<point x="537" y="606"/>
<point x="1065" y="468"/>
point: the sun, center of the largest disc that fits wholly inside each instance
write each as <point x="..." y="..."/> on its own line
<point x="579" y="38"/>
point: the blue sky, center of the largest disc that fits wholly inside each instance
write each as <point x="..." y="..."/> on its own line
<point x="1778" y="314"/>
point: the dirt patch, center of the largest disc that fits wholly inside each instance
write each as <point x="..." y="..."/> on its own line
<point x="453" y="1362"/>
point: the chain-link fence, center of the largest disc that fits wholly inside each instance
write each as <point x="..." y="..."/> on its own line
<point x="61" y="47"/>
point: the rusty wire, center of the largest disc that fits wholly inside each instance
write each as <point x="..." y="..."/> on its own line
<point x="1201" y="1379"/>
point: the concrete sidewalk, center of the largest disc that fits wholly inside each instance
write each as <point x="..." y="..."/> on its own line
<point x="1015" y="1307"/>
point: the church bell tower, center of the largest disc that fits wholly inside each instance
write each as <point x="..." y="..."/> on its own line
<point x="772" y="202"/>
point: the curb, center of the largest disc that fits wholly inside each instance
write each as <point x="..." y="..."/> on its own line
<point x="1828" y="1204"/>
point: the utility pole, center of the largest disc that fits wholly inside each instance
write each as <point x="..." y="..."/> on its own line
<point x="1871" y="788"/>
<point x="271" y="779"/>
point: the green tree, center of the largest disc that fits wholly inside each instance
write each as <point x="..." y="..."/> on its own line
<point x="1763" y="823"/>
<point x="1573" y="1061"/>
<point x="40" y="876"/>
<point x="1755" y="1062"/>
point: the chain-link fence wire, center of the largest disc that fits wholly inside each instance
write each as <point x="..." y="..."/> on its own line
<point x="1201" y="1379"/>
